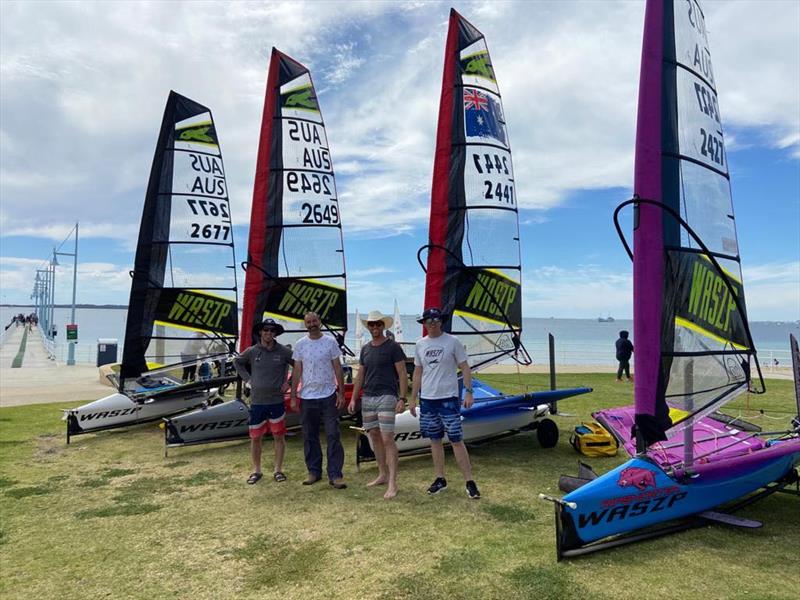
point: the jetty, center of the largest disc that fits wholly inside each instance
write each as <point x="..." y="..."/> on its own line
<point x="29" y="375"/>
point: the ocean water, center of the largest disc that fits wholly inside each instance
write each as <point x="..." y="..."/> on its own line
<point x="577" y="341"/>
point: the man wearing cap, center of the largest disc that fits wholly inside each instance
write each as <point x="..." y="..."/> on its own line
<point x="265" y="366"/>
<point x="316" y="364"/>
<point x="382" y="374"/>
<point x="436" y="359"/>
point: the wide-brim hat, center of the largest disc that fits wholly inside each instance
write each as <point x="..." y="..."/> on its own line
<point x="376" y="315"/>
<point x="268" y="323"/>
<point x="431" y="313"/>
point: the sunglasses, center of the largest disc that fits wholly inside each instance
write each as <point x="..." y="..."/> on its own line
<point x="374" y="323"/>
<point x="432" y="321"/>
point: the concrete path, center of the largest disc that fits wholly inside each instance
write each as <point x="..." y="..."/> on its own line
<point x="40" y="380"/>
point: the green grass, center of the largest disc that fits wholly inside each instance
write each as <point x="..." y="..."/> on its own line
<point x="109" y="516"/>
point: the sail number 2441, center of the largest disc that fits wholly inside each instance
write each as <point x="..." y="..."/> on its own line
<point x="493" y="190"/>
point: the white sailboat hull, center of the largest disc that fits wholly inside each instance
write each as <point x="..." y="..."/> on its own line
<point x="118" y="410"/>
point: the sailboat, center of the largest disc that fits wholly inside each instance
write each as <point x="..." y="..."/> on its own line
<point x="694" y="351"/>
<point x="295" y="255"/>
<point x="182" y="315"/>
<point x="399" y="336"/>
<point x="359" y="335"/>
<point x="473" y="267"/>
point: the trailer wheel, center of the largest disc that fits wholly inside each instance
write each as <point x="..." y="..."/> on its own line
<point x="547" y="433"/>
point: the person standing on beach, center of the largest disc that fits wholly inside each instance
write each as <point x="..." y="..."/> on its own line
<point x="194" y="348"/>
<point x="317" y="366"/>
<point x="435" y="383"/>
<point x="266" y="366"/>
<point x="382" y="374"/>
<point x="624" y="353"/>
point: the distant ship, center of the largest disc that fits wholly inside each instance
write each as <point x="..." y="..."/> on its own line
<point x="608" y="319"/>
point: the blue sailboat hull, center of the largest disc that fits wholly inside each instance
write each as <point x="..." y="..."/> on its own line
<point x="640" y="494"/>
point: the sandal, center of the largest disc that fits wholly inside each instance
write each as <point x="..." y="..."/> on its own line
<point x="279" y="476"/>
<point x="254" y="478"/>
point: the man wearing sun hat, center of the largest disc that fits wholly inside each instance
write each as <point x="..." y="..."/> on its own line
<point x="437" y="358"/>
<point x="382" y="375"/>
<point x="265" y="366"/>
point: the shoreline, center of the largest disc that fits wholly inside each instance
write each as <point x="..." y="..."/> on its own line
<point x="56" y="383"/>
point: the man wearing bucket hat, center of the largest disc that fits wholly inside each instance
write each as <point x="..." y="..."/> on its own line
<point x="382" y="374"/>
<point x="265" y="366"/>
<point x="436" y="359"/>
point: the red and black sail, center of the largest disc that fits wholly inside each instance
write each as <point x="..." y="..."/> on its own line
<point x="473" y="264"/>
<point x="295" y="256"/>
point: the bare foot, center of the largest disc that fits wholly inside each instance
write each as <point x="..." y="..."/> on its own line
<point x="390" y="493"/>
<point x="381" y="480"/>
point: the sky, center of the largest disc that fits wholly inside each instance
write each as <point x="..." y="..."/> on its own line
<point x="83" y="87"/>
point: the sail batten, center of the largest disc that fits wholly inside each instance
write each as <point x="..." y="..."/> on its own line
<point x="693" y="346"/>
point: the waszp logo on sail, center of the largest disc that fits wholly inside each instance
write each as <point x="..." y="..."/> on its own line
<point x="197" y="311"/>
<point x="204" y="134"/>
<point x="491" y="296"/>
<point x="479" y="65"/>
<point x="302" y="297"/>
<point x="707" y="300"/>
<point x="303" y="99"/>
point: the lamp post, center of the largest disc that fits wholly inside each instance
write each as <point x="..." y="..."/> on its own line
<point x="74" y="255"/>
<point x="53" y="265"/>
<point x="43" y="275"/>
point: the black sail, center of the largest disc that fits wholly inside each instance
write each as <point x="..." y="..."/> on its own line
<point x="182" y="305"/>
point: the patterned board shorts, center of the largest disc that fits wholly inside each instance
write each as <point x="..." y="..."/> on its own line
<point x="378" y="411"/>
<point x="267" y="418"/>
<point x="437" y="417"/>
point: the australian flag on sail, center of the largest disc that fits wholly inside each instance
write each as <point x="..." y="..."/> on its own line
<point x="483" y="116"/>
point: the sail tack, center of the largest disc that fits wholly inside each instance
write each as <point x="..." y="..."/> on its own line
<point x="295" y="260"/>
<point x="183" y="295"/>
<point x="693" y="346"/>
<point x="473" y="262"/>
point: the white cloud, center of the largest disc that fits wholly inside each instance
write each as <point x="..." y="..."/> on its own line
<point x="79" y="125"/>
<point x="772" y="291"/>
<point x="83" y="85"/>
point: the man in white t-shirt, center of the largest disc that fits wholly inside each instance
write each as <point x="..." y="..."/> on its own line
<point x="316" y="364"/>
<point x="437" y="358"/>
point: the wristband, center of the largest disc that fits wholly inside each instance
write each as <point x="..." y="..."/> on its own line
<point x="468" y="389"/>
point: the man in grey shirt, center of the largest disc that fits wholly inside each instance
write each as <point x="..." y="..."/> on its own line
<point x="382" y="373"/>
<point x="265" y="366"/>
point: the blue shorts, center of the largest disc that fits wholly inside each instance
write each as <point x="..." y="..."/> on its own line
<point x="267" y="418"/>
<point x="437" y="417"/>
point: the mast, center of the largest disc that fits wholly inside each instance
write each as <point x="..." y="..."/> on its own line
<point x="648" y="266"/>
